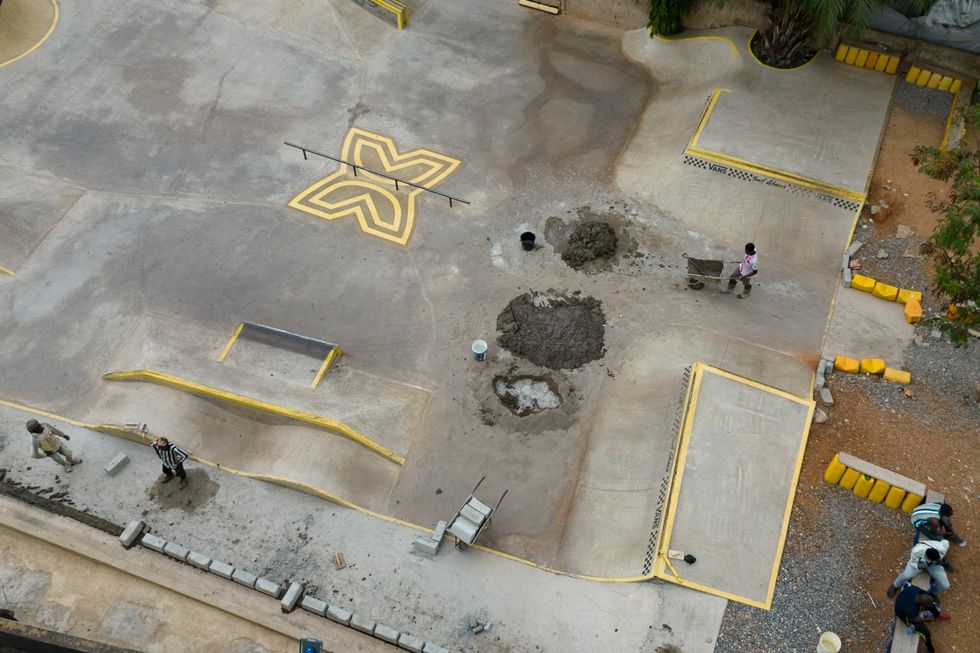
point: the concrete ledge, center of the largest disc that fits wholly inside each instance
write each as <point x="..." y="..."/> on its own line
<point x="222" y="569"/>
<point x="266" y="586"/>
<point x="892" y="478"/>
<point x="314" y="605"/>
<point x="199" y="560"/>
<point x="177" y="551"/>
<point x="288" y="603"/>
<point x="362" y="624"/>
<point x="133" y="530"/>
<point x="387" y="633"/>
<point x="153" y="542"/>
<point x="339" y="615"/>
<point x="245" y="578"/>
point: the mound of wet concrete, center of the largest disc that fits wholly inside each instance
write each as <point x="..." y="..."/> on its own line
<point x="553" y="330"/>
<point x="590" y="241"/>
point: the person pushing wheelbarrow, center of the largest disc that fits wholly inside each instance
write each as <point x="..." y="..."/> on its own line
<point x="747" y="267"/>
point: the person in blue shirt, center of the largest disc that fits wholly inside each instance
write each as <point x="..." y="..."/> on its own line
<point x="916" y="607"/>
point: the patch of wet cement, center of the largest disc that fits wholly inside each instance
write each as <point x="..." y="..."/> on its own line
<point x="554" y="330"/>
<point x="199" y="492"/>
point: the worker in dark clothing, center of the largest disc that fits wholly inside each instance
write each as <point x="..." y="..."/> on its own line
<point x="916" y="607"/>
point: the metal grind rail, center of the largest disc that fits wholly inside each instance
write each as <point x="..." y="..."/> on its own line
<point x="357" y="166"/>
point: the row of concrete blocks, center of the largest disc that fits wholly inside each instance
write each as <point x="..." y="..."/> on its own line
<point x="293" y="595"/>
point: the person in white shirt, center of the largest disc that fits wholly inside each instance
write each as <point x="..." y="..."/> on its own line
<point x="927" y="556"/>
<point x="747" y="267"/>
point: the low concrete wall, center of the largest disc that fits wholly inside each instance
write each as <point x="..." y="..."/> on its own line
<point x="707" y="14"/>
<point x="963" y="63"/>
<point x="627" y="14"/>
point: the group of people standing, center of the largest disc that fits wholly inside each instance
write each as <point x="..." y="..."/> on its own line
<point x="916" y="607"/>
<point x="48" y="441"/>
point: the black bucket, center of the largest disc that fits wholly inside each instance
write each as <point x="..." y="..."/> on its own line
<point x="527" y="241"/>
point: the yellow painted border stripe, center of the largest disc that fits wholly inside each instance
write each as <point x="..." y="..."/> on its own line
<point x="727" y="40"/>
<point x="698" y="371"/>
<point x="750" y="166"/>
<point x="6" y="271"/>
<point x="275" y="409"/>
<point x="949" y="122"/>
<point x="54" y="23"/>
<point x="395" y="7"/>
<point x="139" y="437"/>
<point x="231" y="341"/>
<point x="327" y="362"/>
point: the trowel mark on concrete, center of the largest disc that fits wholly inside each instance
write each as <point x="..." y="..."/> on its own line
<point x="132" y="623"/>
<point x="198" y="493"/>
<point x="524" y="395"/>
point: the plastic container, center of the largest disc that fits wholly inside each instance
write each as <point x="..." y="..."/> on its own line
<point x="527" y="241"/>
<point x="895" y="497"/>
<point x="829" y="643"/>
<point x="479" y="348"/>
<point x="862" y="487"/>
<point x="849" y="478"/>
<point x="834" y="471"/>
<point x="879" y="491"/>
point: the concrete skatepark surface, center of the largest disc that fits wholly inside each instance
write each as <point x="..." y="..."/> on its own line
<point x="156" y="185"/>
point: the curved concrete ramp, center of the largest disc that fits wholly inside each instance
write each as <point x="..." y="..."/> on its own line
<point x="252" y="441"/>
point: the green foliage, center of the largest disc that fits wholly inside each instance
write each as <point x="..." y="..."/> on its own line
<point x="666" y="16"/>
<point x="785" y="42"/>
<point x="956" y="240"/>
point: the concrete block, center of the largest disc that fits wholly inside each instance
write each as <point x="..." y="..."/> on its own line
<point x="199" y="560"/>
<point x="913" y="311"/>
<point x="387" y="633"/>
<point x="845" y="262"/>
<point x="433" y="648"/>
<point x="339" y="615"/>
<point x="266" y="586"/>
<point x="847" y="278"/>
<point x="410" y="643"/>
<point x="897" y="376"/>
<point x="177" y="551"/>
<point x="440" y="531"/>
<point x="821" y="367"/>
<point x="132" y="532"/>
<point x="363" y="624"/>
<point x="905" y="295"/>
<point x="153" y="542"/>
<point x="222" y="569"/>
<point x="863" y="283"/>
<point x="826" y="397"/>
<point x="426" y="545"/>
<point x="819" y="382"/>
<point x="117" y="463"/>
<point x="872" y="366"/>
<point x="845" y="364"/>
<point x="289" y="600"/>
<point x="314" y="605"/>
<point x="245" y="578"/>
<point x="885" y="291"/>
<point x="855" y="246"/>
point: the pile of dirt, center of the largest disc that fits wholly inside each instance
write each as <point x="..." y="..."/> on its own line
<point x="590" y="241"/>
<point x="553" y="330"/>
<point x="526" y="395"/>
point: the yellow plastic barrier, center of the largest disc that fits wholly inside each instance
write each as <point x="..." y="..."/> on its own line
<point x="851" y="477"/>
<point x="913" y="312"/>
<point x="882" y="63"/>
<point x="894" y="498"/>
<point x="898" y="376"/>
<point x="884" y="291"/>
<point x="863" y="486"/>
<point x="863" y="283"/>
<point x="955" y="86"/>
<point x="879" y="491"/>
<point x="945" y="83"/>
<point x="905" y="295"/>
<point x="872" y="366"/>
<point x="841" y="52"/>
<point x="934" y="80"/>
<point x="872" y="60"/>
<point x="892" y="66"/>
<point x="862" y="58"/>
<point x="834" y="471"/>
<point x="852" y="54"/>
<point x="910" y="502"/>
<point x="845" y="364"/>
<point x="912" y="74"/>
<point x="923" y="78"/>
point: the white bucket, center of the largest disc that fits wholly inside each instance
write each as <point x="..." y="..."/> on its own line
<point x="479" y="350"/>
<point x="829" y="643"/>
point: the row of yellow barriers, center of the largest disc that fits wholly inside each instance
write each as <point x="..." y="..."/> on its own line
<point x="911" y="298"/>
<point x="868" y="487"/>
<point x="876" y="366"/>
<point x="863" y="58"/>
<point x="929" y="79"/>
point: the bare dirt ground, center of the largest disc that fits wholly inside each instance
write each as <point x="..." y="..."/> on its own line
<point x="842" y="552"/>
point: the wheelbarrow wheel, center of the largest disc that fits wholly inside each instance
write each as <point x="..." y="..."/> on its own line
<point x="694" y="284"/>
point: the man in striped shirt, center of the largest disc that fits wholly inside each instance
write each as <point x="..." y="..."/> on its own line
<point x="934" y="521"/>
<point x="173" y="458"/>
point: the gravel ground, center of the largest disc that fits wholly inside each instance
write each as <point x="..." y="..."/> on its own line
<point x="923" y="100"/>
<point x="822" y="584"/>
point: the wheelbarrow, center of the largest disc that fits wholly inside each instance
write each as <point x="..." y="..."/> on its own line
<point x="472" y="519"/>
<point x="700" y="271"/>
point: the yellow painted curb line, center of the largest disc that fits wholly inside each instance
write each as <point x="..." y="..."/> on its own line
<point x="726" y="39"/>
<point x="54" y="23"/>
<point x="327" y="362"/>
<point x="283" y="411"/>
<point x="231" y="341"/>
<point x="143" y="438"/>
<point x="949" y="122"/>
<point x="4" y="270"/>
<point x="395" y="7"/>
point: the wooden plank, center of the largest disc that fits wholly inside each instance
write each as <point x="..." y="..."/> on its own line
<point x="540" y="6"/>
<point x="888" y="476"/>
<point x="902" y="642"/>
